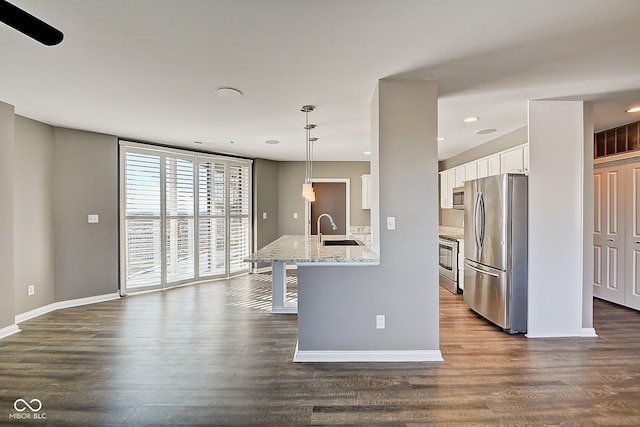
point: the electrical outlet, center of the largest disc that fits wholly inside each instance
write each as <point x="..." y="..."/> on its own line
<point x="31" y="289"/>
<point x="264" y="215"/>
<point x="93" y="219"/>
<point x="380" y="321"/>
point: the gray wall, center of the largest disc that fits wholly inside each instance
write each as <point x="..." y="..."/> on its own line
<point x="291" y="177"/>
<point x="265" y="200"/>
<point x="338" y="305"/>
<point x="33" y="208"/>
<point x="85" y="182"/>
<point x="455" y="217"/>
<point x="7" y="310"/>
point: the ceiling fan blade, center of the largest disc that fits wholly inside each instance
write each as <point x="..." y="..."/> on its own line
<point x="29" y="24"/>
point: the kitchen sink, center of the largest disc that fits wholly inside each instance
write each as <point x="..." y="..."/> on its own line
<point x="344" y="242"/>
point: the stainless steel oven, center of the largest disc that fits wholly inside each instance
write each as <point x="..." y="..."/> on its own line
<point x="449" y="264"/>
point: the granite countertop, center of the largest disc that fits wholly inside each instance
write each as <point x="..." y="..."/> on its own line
<point x="302" y="249"/>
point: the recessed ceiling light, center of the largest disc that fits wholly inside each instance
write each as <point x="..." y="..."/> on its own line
<point x="633" y="110"/>
<point x="229" y="92"/>
<point x="471" y="119"/>
<point x="441" y="138"/>
<point x="484" y="131"/>
<point x="272" y="141"/>
<point x="367" y="153"/>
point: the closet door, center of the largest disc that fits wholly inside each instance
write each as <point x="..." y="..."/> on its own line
<point x="632" y="288"/>
<point x="609" y="234"/>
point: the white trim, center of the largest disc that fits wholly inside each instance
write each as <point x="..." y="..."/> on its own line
<point x="23" y="317"/>
<point x="630" y="156"/>
<point x="367" y="356"/>
<point x="588" y="333"/>
<point x="9" y="330"/>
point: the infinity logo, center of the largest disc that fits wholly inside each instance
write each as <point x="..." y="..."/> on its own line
<point x="24" y="405"/>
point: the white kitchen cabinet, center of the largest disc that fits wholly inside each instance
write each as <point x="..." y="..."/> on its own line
<point x="470" y="171"/>
<point x="512" y="160"/>
<point x="460" y="176"/>
<point x="443" y="190"/>
<point x="483" y="167"/>
<point x="447" y="184"/>
<point x="494" y="164"/>
<point x="366" y="191"/>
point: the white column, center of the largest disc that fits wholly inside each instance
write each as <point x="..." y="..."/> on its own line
<point x="560" y="218"/>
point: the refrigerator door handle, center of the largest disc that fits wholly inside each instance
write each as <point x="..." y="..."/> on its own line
<point x="478" y="223"/>
<point x="466" y="264"/>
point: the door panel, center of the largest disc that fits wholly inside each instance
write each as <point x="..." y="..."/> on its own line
<point x="608" y="237"/>
<point x="632" y="292"/>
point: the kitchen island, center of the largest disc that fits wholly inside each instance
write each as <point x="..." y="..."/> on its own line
<point x="305" y="250"/>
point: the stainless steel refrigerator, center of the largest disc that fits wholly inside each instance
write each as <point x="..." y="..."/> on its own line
<point x="495" y="249"/>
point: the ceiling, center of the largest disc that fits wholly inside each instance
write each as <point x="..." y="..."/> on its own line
<point x="148" y="69"/>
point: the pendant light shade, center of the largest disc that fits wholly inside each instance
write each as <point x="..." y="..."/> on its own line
<point x="307" y="186"/>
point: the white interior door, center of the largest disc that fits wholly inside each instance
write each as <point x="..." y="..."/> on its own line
<point x="609" y="234"/>
<point x="632" y="289"/>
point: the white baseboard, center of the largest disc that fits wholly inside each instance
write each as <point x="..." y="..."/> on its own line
<point x="588" y="332"/>
<point x="9" y="330"/>
<point x="64" y="304"/>
<point x="368" y="356"/>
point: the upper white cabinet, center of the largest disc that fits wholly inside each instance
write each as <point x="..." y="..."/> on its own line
<point x="483" y="167"/>
<point x="494" y="164"/>
<point x="447" y="184"/>
<point x="366" y="191"/>
<point x="461" y="175"/>
<point x="470" y="171"/>
<point x="444" y="194"/>
<point x="514" y="160"/>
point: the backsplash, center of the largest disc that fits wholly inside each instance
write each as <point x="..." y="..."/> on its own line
<point x="444" y="229"/>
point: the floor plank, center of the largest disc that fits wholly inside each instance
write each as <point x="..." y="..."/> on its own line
<point x="212" y="354"/>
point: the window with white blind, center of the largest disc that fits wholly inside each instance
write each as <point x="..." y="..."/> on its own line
<point x="185" y="216"/>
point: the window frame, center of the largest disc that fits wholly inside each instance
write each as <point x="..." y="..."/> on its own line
<point x="196" y="159"/>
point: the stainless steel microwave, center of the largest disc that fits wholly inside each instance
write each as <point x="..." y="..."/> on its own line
<point x="458" y="198"/>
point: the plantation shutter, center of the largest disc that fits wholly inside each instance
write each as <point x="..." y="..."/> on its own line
<point x="185" y="216"/>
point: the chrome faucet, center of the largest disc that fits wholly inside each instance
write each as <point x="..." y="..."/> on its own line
<point x="333" y="225"/>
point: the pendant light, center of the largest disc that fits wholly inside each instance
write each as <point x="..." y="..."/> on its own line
<point x="307" y="187"/>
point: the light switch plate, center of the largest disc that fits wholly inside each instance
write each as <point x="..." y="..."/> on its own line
<point x="295" y="215"/>
<point x="93" y="219"/>
<point x="380" y="321"/>
<point x="391" y="223"/>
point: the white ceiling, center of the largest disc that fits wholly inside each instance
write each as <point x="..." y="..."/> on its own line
<point x="147" y="69"/>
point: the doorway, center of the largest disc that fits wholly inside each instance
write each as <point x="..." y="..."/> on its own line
<point x="332" y="197"/>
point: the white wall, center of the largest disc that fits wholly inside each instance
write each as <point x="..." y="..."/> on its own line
<point x="560" y="216"/>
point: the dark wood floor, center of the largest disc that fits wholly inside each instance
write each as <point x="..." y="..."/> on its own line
<point x="208" y="354"/>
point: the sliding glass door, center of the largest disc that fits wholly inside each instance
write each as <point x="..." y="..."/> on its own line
<point x="185" y="217"/>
